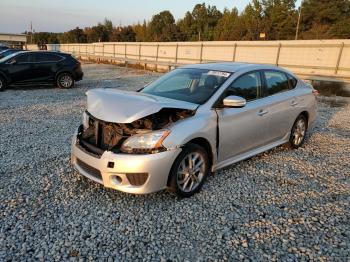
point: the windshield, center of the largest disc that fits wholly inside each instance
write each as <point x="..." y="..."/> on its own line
<point x="188" y="84"/>
<point x="7" y="57"/>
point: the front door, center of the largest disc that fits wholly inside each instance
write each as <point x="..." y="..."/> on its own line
<point x="243" y="129"/>
<point x="20" y="68"/>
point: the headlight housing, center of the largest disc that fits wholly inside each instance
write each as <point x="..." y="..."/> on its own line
<point x="145" y="143"/>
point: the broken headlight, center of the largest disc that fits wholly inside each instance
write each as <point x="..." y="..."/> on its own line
<point x="85" y="120"/>
<point x="145" y="143"/>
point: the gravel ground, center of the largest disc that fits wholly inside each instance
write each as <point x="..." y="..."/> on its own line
<point x="280" y="205"/>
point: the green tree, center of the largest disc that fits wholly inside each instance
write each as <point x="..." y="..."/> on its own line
<point x="163" y="28"/>
<point x="341" y="29"/>
<point x="75" y="35"/>
<point x="187" y="29"/>
<point x="280" y="19"/>
<point x="141" y="32"/>
<point x="201" y="23"/>
<point x="253" y="20"/>
<point x="123" y="34"/>
<point x="229" y="26"/>
<point x="325" y="19"/>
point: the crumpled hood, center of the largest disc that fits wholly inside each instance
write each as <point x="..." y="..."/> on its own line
<point x="118" y="106"/>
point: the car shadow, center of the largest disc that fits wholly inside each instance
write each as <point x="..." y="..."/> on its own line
<point x="37" y="86"/>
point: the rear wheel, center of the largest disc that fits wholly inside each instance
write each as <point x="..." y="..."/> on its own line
<point x="2" y="84"/>
<point x="298" y="133"/>
<point x="65" y="80"/>
<point x="189" y="170"/>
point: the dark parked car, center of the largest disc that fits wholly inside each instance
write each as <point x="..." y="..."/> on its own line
<point x="40" y="67"/>
<point x="3" y="47"/>
<point x="8" y="52"/>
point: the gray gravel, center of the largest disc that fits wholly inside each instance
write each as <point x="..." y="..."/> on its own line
<point x="280" y="205"/>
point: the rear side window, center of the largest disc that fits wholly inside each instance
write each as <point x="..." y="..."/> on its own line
<point x="276" y="82"/>
<point x="42" y="57"/>
<point x="292" y="81"/>
<point x="246" y="86"/>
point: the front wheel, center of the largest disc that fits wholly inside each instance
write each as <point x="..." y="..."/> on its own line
<point x="2" y="84"/>
<point x="298" y="132"/>
<point x="189" y="170"/>
<point x="65" y="80"/>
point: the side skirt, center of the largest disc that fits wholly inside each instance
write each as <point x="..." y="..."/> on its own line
<point x="251" y="153"/>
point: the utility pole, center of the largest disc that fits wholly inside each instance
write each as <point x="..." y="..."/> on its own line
<point x="31" y="32"/>
<point x="298" y="23"/>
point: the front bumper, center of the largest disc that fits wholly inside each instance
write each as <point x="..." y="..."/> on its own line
<point x="156" y="166"/>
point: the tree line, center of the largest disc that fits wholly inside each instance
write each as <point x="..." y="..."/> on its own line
<point x="260" y="20"/>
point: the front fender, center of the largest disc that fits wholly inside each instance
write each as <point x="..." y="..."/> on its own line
<point x="5" y="76"/>
<point x="201" y="125"/>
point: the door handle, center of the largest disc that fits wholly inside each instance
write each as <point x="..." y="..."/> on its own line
<point x="294" y="103"/>
<point x="262" y="112"/>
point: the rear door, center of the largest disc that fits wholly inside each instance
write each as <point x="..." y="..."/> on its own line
<point x="243" y="129"/>
<point x="45" y="66"/>
<point x="279" y="92"/>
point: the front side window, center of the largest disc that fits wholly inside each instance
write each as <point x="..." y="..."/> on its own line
<point x="246" y="86"/>
<point x="188" y="84"/>
<point x="276" y="82"/>
<point x="25" y="58"/>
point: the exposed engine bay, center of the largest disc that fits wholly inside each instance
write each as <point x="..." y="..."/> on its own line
<point x="97" y="136"/>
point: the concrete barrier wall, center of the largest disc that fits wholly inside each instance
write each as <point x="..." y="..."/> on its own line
<point x="326" y="58"/>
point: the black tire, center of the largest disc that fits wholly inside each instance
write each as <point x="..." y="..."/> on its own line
<point x="298" y="132"/>
<point x="198" y="177"/>
<point x="65" y="80"/>
<point x="3" y="84"/>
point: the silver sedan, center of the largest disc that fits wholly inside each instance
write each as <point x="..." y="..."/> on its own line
<point x="192" y="121"/>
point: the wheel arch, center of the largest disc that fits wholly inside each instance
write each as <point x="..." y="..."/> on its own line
<point x="4" y="76"/>
<point x="205" y="144"/>
<point x="63" y="71"/>
<point x="306" y="115"/>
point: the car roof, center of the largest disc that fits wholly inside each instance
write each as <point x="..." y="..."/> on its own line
<point x="232" y="67"/>
<point x="42" y="51"/>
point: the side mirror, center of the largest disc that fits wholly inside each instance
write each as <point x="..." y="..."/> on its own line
<point x="234" y="101"/>
<point x="13" y="62"/>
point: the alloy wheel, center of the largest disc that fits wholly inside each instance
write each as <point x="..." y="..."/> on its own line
<point x="66" y="81"/>
<point x="191" y="172"/>
<point x="299" y="132"/>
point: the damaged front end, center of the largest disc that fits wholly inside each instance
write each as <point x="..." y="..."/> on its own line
<point x="97" y="136"/>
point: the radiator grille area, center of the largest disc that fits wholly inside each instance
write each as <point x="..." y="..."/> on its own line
<point x="89" y="169"/>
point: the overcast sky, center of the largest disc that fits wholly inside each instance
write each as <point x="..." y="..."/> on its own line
<point x="63" y="15"/>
